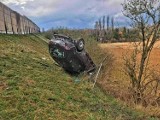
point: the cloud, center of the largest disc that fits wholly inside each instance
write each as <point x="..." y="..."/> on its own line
<point x="69" y="13"/>
<point x="17" y="2"/>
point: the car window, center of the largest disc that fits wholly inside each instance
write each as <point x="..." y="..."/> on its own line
<point x="57" y="53"/>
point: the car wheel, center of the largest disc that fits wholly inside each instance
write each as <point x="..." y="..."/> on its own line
<point x="80" y="44"/>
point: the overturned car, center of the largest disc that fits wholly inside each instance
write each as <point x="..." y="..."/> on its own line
<point x="70" y="54"/>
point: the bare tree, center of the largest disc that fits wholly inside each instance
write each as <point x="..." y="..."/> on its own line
<point x="96" y="25"/>
<point x="103" y="23"/>
<point x="96" y="29"/>
<point x="100" y="24"/>
<point x="108" y="23"/>
<point x="145" y="18"/>
<point x="112" y="23"/>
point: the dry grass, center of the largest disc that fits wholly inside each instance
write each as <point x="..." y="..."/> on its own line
<point x="118" y="84"/>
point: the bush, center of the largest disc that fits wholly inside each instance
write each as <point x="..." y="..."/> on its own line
<point x="97" y="54"/>
<point x="48" y="35"/>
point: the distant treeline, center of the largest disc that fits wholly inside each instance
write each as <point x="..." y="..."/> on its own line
<point x="106" y="31"/>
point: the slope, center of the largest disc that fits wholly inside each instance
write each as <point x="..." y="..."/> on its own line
<point x="32" y="87"/>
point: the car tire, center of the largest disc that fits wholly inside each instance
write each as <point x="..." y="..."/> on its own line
<point x="80" y="44"/>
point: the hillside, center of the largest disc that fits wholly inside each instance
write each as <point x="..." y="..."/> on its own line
<point x="32" y="87"/>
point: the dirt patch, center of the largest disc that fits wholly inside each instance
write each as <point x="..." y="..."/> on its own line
<point x="30" y="82"/>
<point x="3" y="86"/>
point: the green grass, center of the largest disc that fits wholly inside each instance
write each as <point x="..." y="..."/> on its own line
<point x="32" y="87"/>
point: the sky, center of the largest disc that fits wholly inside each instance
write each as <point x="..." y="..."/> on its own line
<point x="76" y="14"/>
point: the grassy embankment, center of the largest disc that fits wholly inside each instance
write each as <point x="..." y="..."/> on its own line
<point x="32" y="87"/>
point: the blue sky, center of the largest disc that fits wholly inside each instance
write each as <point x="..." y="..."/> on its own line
<point x="68" y="13"/>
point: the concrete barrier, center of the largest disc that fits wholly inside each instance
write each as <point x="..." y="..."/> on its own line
<point x="12" y="22"/>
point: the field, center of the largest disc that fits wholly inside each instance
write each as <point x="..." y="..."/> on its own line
<point x="118" y="82"/>
<point x="32" y="87"/>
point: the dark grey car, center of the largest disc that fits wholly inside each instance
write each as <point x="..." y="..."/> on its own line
<point x="70" y="54"/>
